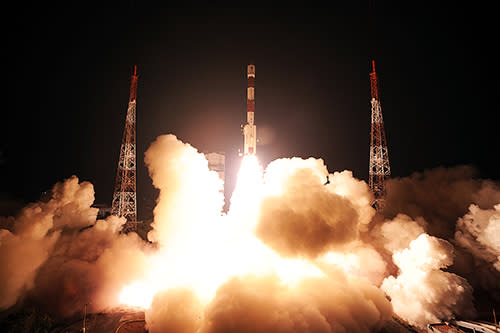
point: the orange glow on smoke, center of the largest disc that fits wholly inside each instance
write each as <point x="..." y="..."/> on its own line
<point x="203" y="254"/>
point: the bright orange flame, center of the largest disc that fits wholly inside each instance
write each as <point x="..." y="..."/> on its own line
<point x="138" y="293"/>
<point x="202" y="254"/>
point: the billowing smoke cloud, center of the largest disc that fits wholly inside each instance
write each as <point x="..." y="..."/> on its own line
<point x="357" y="192"/>
<point x="20" y="259"/>
<point x="357" y="259"/>
<point x="189" y="191"/>
<point x="439" y="200"/>
<point x="59" y="257"/>
<point x="90" y="267"/>
<point x="301" y="250"/>
<point x="327" y="219"/>
<point x="396" y="234"/>
<point x="335" y="304"/>
<point x="175" y="310"/>
<point x="440" y="196"/>
<point x="264" y="304"/>
<point x="479" y="232"/>
<point x="302" y="217"/>
<point x="423" y="293"/>
<point x="477" y="238"/>
<point x="35" y="232"/>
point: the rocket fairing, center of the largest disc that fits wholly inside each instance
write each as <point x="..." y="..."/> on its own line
<point x="250" y="130"/>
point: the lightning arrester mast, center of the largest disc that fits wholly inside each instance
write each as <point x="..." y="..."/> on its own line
<point x="124" y="196"/>
<point x="380" y="169"/>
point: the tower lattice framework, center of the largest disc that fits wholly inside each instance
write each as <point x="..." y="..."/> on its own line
<point x="125" y="196"/>
<point x="380" y="169"/>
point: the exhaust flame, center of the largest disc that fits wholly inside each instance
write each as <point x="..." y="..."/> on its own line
<point x="203" y="252"/>
<point x="139" y="294"/>
<point x="289" y="229"/>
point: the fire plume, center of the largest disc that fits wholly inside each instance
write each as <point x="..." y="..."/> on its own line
<point x="204" y="251"/>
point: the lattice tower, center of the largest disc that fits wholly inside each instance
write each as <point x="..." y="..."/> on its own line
<point x="125" y="196"/>
<point x="380" y="169"/>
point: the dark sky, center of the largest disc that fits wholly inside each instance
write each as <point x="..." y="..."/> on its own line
<point x="67" y="72"/>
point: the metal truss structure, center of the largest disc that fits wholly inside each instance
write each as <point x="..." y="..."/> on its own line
<point x="124" y="197"/>
<point x="380" y="169"/>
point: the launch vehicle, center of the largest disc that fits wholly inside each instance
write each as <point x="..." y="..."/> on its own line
<point x="250" y="129"/>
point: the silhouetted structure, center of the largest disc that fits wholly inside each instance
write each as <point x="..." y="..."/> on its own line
<point x="125" y="197"/>
<point x="380" y="169"/>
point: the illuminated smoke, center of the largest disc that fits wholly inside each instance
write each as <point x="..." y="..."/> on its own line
<point x="230" y="271"/>
<point x="50" y="259"/>
<point x="478" y="242"/>
<point x="90" y="266"/>
<point x="175" y="310"/>
<point x="358" y="259"/>
<point x="301" y="217"/>
<point x="301" y="249"/>
<point x="36" y="229"/>
<point x="423" y="293"/>
<point x="440" y="196"/>
<point x="190" y="194"/>
<point x="479" y="232"/>
<point x="264" y="304"/>
<point x="336" y="304"/>
<point x="357" y="192"/>
<point x="396" y="234"/>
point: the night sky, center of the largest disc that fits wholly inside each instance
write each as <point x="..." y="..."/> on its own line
<point x="67" y="73"/>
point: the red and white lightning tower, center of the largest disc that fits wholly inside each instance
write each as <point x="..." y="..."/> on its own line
<point x="125" y="197"/>
<point x="380" y="169"/>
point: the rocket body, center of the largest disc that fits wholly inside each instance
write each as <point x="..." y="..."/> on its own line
<point x="250" y="130"/>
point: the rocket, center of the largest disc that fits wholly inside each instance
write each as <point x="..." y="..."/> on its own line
<point x="250" y="130"/>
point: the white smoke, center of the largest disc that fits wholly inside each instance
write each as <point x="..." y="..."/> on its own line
<point x="335" y="304"/>
<point x="423" y="293"/>
<point x="258" y="282"/>
<point x="479" y="232"/>
<point x="174" y="310"/>
<point x="57" y="264"/>
<point x="36" y="230"/>
<point x="396" y="234"/>
<point x="301" y="249"/>
<point x="263" y="304"/>
<point x="301" y="217"/>
<point x="189" y="191"/>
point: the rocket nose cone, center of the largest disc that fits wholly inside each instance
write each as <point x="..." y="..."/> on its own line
<point x="251" y="70"/>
